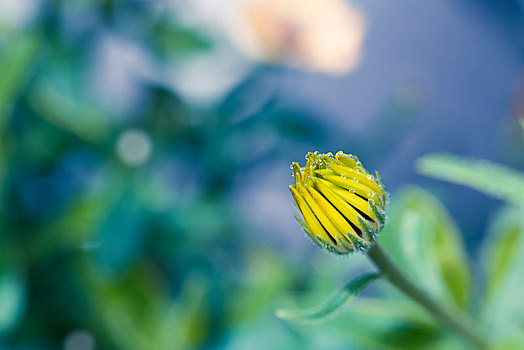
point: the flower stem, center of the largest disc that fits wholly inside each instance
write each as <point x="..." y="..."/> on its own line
<point x="452" y="321"/>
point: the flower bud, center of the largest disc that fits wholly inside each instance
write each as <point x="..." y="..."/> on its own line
<point x="343" y="206"/>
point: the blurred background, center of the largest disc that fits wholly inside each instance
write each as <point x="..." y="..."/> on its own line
<point x="145" y="149"/>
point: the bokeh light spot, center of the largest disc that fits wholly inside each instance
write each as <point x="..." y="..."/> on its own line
<point x="134" y="147"/>
<point x="79" y="340"/>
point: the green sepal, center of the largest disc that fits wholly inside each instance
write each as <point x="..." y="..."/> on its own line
<point x="329" y="246"/>
<point x="367" y="230"/>
<point x="346" y="244"/>
<point x="379" y="213"/>
<point x="358" y="242"/>
<point x="380" y="200"/>
<point x="380" y="183"/>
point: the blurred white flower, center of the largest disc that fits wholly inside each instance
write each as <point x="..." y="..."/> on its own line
<point x="319" y="35"/>
<point x="18" y="13"/>
<point x="206" y="78"/>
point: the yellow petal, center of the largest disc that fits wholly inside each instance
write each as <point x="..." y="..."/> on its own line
<point x="338" y="222"/>
<point x="343" y="207"/>
<point x="351" y="198"/>
<point x="319" y="213"/>
<point x="326" y="160"/>
<point x="323" y="172"/>
<point x="296" y="172"/>
<point x="350" y="184"/>
<point x="305" y="174"/>
<point x="346" y="159"/>
<point x="309" y="218"/>
<point x="365" y="179"/>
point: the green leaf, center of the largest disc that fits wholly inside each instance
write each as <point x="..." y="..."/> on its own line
<point x="12" y="299"/>
<point x="16" y="61"/>
<point x="373" y="323"/>
<point x="503" y="258"/>
<point x="484" y="176"/>
<point x="171" y="39"/>
<point x="423" y="239"/>
<point x="136" y="312"/>
<point x="502" y="246"/>
<point x="60" y="103"/>
<point x="335" y="302"/>
<point x="264" y="278"/>
<point x="13" y="285"/>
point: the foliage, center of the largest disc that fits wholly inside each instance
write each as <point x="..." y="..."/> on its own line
<point x="148" y="255"/>
<point x="493" y="179"/>
<point x="158" y="254"/>
<point x="424" y="241"/>
<point x="335" y="302"/>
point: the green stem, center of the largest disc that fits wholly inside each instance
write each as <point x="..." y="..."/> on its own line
<point x="452" y="321"/>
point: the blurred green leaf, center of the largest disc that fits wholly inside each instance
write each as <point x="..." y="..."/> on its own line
<point x="503" y="258"/>
<point x="12" y="299"/>
<point x="380" y="324"/>
<point x="264" y="278"/>
<point x="423" y="239"/>
<point x="17" y="56"/>
<point x="121" y="236"/>
<point x="76" y="228"/>
<point x="484" y="176"/>
<point x="135" y="311"/>
<point x="266" y="333"/>
<point x="298" y="125"/>
<point x="172" y="39"/>
<point x="334" y="303"/>
<point x="12" y="285"/>
<point x="511" y="343"/>
<point x="16" y="61"/>
<point x="502" y="246"/>
<point x="57" y="101"/>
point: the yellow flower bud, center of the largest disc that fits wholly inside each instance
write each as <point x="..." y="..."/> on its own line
<point x="343" y="206"/>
